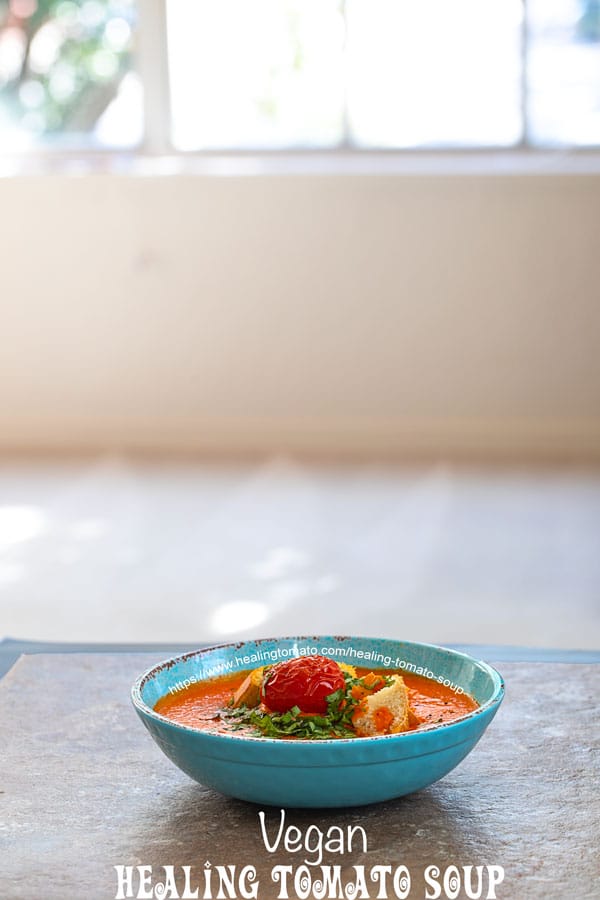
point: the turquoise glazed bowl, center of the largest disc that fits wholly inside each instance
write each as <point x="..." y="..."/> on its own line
<point x="329" y="772"/>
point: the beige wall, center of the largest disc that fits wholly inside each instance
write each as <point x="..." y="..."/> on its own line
<point x="393" y="314"/>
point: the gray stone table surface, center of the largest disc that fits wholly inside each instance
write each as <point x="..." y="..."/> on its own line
<point x="83" y="789"/>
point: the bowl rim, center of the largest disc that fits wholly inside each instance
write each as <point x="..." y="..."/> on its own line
<point x="145" y="710"/>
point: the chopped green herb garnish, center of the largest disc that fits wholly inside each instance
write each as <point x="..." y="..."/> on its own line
<point x="335" y="723"/>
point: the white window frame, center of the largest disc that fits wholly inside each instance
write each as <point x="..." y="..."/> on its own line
<point x="156" y="153"/>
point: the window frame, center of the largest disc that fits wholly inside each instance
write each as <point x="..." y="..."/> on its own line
<point x="151" y="63"/>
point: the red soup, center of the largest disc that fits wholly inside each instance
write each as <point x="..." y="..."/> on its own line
<point x="365" y="703"/>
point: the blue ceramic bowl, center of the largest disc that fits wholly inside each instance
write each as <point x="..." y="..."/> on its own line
<point x="320" y="773"/>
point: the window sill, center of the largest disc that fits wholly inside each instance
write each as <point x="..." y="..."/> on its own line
<point x="307" y="163"/>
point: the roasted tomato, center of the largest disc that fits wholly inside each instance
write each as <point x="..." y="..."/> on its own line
<point x="304" y="682"/>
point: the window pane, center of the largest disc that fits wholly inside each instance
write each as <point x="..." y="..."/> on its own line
<point x="65" y="74"/>
<point x="434" y="72"/>
<point x="255" y="73"/>
<point x="564" y="71"/>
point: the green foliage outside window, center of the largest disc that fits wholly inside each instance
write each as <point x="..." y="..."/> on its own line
<point x="61" y="62"/>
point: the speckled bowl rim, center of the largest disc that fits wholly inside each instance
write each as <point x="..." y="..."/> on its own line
<point x="446" y="727"/>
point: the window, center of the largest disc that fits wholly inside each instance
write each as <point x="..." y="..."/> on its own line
<point x="563" y="72"/>
<point x="195" y="75"/>
<point x="67" y="74"/>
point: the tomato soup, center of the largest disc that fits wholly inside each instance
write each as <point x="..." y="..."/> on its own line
<point x="201" y="705"/>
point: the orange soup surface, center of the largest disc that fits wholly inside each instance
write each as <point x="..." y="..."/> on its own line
<point x="198" y="705"/>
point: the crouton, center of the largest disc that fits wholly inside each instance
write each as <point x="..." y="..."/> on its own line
<point x="248" y="693"/>
<point x="384" y="712"/>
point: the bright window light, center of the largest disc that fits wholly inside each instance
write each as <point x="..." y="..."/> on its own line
<point x="563" y="72"/>
<point x="185" y="76"/>
<point x="66" y="74"/>
<point x="256" y="73"/>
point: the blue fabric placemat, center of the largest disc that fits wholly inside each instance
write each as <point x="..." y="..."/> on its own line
<point x="11" y="649"/>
